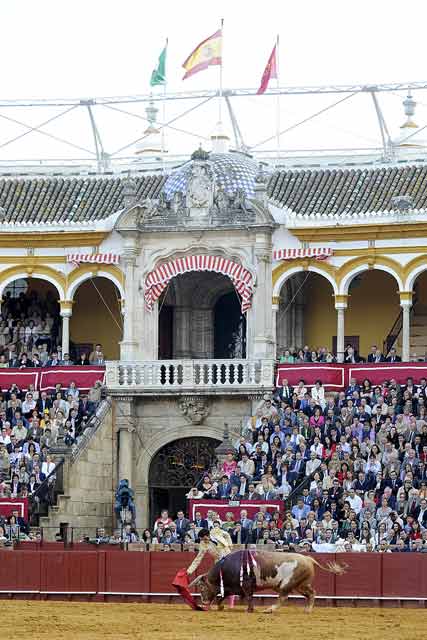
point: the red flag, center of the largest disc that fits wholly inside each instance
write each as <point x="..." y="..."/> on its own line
<point x="270" y="71"/>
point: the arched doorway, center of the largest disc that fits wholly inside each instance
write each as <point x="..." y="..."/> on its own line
<point x="96" y="318"/>
<point x="373" y="308"/>
<point x="200" y="317"/>
<point x="306" y="314"/>
<point x="31" y="303"/>
<point x="175" y="469"/>
<point x="229" y="328"/>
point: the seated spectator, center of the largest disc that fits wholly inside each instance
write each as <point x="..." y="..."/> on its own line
<point x="96" y="357"/>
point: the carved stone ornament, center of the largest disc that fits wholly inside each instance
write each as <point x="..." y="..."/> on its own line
<point x="199" y="188"/>
<point x="195" y="409"/>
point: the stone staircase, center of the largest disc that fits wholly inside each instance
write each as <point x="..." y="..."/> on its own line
<point x="87" y="501"/>
<point x="418" y="343"/>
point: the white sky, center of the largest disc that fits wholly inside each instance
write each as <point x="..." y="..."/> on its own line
<point x="89" y="48"/>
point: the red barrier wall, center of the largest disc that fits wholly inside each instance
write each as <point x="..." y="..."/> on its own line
<point x="373" y="575"/>
<point x="336" y="377"/>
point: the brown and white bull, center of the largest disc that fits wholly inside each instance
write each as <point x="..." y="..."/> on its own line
<point x="243" y="573"/>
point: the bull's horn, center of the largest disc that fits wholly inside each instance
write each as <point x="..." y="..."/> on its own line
<point x="197" y="580"/>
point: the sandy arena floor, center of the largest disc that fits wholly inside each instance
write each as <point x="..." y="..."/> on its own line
<point x="97" y="621"/>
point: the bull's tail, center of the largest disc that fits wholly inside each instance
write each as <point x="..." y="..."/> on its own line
<point x="332" y="567"/>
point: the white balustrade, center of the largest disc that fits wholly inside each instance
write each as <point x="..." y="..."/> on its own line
<point x="187" y="375"/>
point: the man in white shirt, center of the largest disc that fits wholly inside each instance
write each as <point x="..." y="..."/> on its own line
<point x="312" y="464"/>
<point x="246" y="466"/>
<point x="354" y="500"/>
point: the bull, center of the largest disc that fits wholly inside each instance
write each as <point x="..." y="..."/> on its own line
<point x="243" y="573"/>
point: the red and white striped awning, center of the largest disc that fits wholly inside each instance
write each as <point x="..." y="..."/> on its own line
<point x="93" y="258"/>
<point x="319" y="253"/>
<point x="158" y="279"/>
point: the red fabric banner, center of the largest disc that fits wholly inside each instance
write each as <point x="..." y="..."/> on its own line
<point x="45" y="379"/>
<point x="222" y="507"/>
<point x="7" y="505"/>
<point x="335" y="377"/>
<point x="331" y="375"/>
<point x="84" y="377"/>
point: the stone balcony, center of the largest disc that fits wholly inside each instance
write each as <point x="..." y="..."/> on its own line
<point x="190" y="376"/>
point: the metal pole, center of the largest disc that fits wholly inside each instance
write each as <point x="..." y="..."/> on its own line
<point x="238" y="138"/>
<point x="220" y="76"/>
<point x="385" y="137"/>
<point x="277" y="99"/>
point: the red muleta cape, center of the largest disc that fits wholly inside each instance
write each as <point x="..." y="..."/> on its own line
<point x="181" y="582"/>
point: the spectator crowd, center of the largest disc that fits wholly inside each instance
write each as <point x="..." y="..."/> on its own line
<point x="325" y="355"/>
<point x="29" y="329"/>
<point x="31" y="423"/>
<point x="351" y="470"/>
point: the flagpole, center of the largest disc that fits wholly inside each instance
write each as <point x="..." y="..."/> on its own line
<point x="164" y="112"/>
<point x="277" y="99"/>
<point x="220" y="76"/>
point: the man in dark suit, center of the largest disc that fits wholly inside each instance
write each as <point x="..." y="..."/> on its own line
<point x="252" y="494"/>
<point x="353" y="386"/>
<point x="375" y="355"/>
<point x="54" y="360"/>
<point x="392" y="356"/>
<point x="239" y="535"/>
<point x="182" y="525"/>
<point x="257" y="534"/>
<point x="224" y="489"/>
<point x="420" y="513"/>
<point x="44" y="402"/>
<point x="394" y="482"/>
<point x="298" y="467"/>
<point x="23" y="525"/>
<point x="362" y="484"/>
<point x="350" y="355"/>
<point x="86" y="408"/>
<point x="286" y="391"/>
<point x="201" y="523"/>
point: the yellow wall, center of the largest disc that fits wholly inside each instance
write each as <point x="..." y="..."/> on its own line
<point x="91" y="320"/>
<point x="420" y="285"/>
<point x="373" y="308"/>
<point x="320" y="318"/>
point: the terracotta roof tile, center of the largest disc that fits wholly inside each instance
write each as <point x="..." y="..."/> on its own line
<point x="347" y="190"/>
<point x="55" y="199"/>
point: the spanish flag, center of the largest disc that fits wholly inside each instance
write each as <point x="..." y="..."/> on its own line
<point x="270" y="71"/>
<point x="206" y="53"/>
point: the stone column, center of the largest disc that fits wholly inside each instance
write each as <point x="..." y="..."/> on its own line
<point x="341" y="302"/>
<point x="125" y="427"/>
<point x="406" y="304"/>
<point x="65" y="311"/>
<point x="262" y="314"/>
<point x="129" y="344"/>
<point x="183" y="322"/>
<point x="275" y="311"/>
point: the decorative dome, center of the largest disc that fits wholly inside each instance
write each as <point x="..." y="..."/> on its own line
<point x="232" y="171"/>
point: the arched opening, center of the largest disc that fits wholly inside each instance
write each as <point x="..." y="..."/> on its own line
<point x="229" y="328"/>
<point x="175" y="469"/>
<point x="306" y="314"/>
<point x="418" y="325"/>
<point x="373" y="308"/>
<point x="200" y="317"/>
<point x="31" y="323"/>
<point x="96" y="318"/>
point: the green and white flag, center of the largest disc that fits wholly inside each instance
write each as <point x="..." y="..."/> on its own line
<point x="159" y="74"/>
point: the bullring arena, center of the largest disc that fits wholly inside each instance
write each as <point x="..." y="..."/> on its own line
<point x="213" y="323"/>
<point x="118" y="594"/>
<point x="67" y="621"/>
